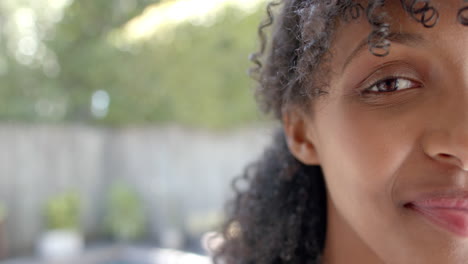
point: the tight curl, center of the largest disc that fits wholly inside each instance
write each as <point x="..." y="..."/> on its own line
<point x="280" y="218"/>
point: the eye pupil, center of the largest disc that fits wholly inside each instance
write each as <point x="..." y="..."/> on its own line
<point x="388" y="85"/>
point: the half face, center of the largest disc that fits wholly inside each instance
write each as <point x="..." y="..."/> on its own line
<point x="392" y="139"/>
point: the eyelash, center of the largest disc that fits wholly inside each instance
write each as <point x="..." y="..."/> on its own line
<point x="395" y="81"/>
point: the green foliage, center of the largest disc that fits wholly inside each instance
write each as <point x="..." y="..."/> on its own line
<point x="63" y="211"/>
<point x="125" y="218"/>
<point x="194" y="75"/>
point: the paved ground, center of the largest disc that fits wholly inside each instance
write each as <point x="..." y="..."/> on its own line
<point x="124" y="255"/>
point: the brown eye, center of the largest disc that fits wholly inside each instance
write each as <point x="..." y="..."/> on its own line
<point x="391" y="85"/>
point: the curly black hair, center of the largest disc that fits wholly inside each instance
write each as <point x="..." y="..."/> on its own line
<point x="281" y="216"/>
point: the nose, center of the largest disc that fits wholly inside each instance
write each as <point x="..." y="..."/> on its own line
<point x="446" y="134"/>
<point x="449" y="145"/>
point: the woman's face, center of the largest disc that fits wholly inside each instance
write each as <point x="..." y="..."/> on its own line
<point x="392" y="139"/>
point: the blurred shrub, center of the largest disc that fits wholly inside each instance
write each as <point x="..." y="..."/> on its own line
<point x="125" y="219"/>
<point x="63" y="211"/>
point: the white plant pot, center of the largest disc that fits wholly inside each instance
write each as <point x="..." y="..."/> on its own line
<point x="60" y="244"/>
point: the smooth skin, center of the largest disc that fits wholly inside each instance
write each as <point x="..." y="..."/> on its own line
<point x="381" y="144"/>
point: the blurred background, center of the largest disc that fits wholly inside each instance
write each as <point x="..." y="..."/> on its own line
<point x="122" y="124"/>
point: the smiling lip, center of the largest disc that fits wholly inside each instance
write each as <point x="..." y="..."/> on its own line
<point x="450" y="213"/>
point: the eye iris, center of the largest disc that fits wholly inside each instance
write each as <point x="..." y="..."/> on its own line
<point x="389" y="85"/>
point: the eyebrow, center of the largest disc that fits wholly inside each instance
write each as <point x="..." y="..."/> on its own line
<point x="410" y="39"/>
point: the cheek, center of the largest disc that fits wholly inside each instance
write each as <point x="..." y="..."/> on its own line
<point x="362" y="148"/>
<point x="361" y="151"/>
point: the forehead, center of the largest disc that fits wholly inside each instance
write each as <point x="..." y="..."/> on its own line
<point x="350" y="34"/>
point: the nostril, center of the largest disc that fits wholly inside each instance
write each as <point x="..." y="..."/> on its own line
<point x="447" y="158"/>
<point x="447" y="147"/>
<point x="451" y="159"/>
<point x="443" y="155"/>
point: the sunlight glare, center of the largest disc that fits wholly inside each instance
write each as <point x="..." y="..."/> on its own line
<point x="163" y="16"/>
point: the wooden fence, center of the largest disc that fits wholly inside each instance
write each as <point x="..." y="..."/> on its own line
<point x="181" y="175"/>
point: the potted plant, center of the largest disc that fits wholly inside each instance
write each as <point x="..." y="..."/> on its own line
<point x="125" y="219"/>
<point x="63" y="238"/>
